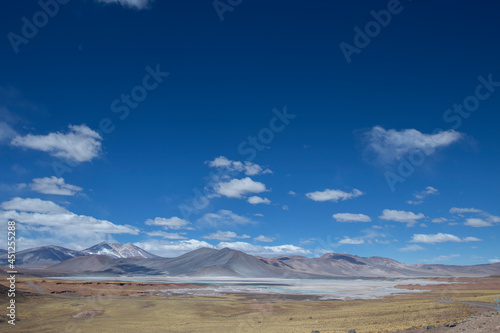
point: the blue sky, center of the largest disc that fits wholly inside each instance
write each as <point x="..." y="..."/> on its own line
<point x="368" y="127"/>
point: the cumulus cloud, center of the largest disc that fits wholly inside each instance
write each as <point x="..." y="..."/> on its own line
<point x="368" y="236"/>
<point x="223" y="218"/>
<point x="249" y="168"/>
<point x="292" y="193"/>
<point x="39" y="219"/>
<point x="441" y="238"/>
<point x="135" y="4"/>
<point x="401" y="216"/>
<point x="262" y="238"/>
<point x="388" y="146"/>
<point x="33" y="205"/>
<point x="258" y="200"/>
<point x="421" y="195"/>
<point x="413" y="247"/>
<point x="80" y="144"/>
<point x="352" y="241"/>
<point x="238" y="188"/>
<point x="172" y="248"/>
<point x="348" y="217"/>
<point x="224" y="235"/>
<point x="54" y="185"/>
<point x="439" y="220"/>
<point x="456" y="210"/>
<point x="482" y="219"/>
<point x="173" y="223"/>
<point x="260" y="250"/>
<point x="333" y="195"/>
<point x="476" y="222"/>
<point x="166" y="235"/>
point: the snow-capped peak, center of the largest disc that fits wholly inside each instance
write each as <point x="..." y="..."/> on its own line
<point x="118" y="250"/>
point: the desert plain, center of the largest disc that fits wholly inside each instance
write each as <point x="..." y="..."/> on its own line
<point x="48" y="305"/>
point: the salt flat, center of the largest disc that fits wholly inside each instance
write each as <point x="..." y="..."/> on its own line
<point x="328" y="288"/>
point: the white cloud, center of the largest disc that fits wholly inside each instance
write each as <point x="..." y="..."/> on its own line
<point x="259" y="214"/>
<point x="441" y="238"/>
<point x="471" y="239"/>
<point x="456" y="210"/>
<point x="249" y="168"/>
<point x="428" y="190"/>
<point x="308" y="241"/>
<point x="34" y="205"/>
<point x="439" y="220"/>
<point x="348" y="217"/>
<point x="284" y="207"/>
<point x="70" y="222"/>
<point x="166" y="235"/>
<point x="262" y="238"/>
<point x="258" y="200"/>
<point x="172" y="248"/>
<point x="487" y="220"/>
<point x="391" y="145"/>
<point x="80" y="144"/>
<point x="6" y="132"/>
<point x="135" y="4"/>
<point x="494" y="261"/>
<point x="333" y="195"/>
<point x="413" y="247"/>
<point x="441" y="258"/>
<point x="237" y="188"/>
<point x="54" y="185"/>
<point x="369" y="235"/>
<point x="492" y="218"/>
<point x="259" y="250"/>
<point x="292" y="193"/>
<point x="40" y="219"/>
<point x="475" y="222"/>
<point x="223" y="218"/>
<point x="352" y="241"/>
<point x="224" y="235"/>
<point x="173" y="223"/>
<point x="421" y="195"/>
<point x="401" y="216"/>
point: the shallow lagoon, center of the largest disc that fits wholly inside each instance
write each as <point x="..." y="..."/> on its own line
<point x="341" y="288"/>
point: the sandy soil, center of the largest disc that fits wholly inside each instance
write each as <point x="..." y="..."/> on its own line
<point x="482" y="321"/>
<point x="110" y="306"/>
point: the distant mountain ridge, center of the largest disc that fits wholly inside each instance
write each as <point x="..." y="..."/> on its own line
<point x="118" y="250"/>
<point x="45" y="256"/>
<point x="126" y="259"/>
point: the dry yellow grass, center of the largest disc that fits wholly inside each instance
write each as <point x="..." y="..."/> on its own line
<point x="232" y="313"/>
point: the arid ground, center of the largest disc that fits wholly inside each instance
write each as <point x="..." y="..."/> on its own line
<point x="45" y="305"/>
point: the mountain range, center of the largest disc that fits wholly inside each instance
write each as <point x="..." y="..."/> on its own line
<point x="45" y="256"/>
<point x="126" y="259"/>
